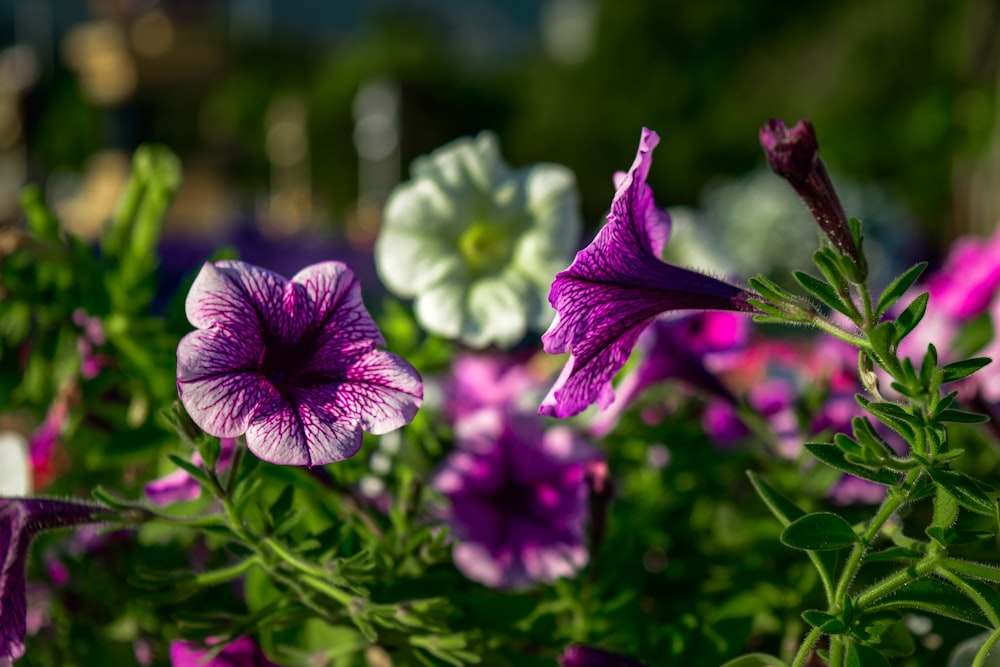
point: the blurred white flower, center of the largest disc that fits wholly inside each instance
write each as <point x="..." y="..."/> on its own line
<point x="476" y="243"/>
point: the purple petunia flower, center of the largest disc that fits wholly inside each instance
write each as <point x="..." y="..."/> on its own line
<point x="616" y="287"/>
<point x="240" y="653"/>
<point x="518" y="498"/>
<point x="577" y="655"/>
<point x="293" y="364"/>
<point x="20" y="520"/>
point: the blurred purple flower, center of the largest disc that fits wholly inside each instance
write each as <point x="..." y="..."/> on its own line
<point x="293" y="364"/>
<point x="577" y="655"/>
<point x="518" y="497"/>
<point x="179" y="485"/>
<point x="488" y="380"/>
<point x="91" y="362"/>
<point x="616" y="287"/>
<point x="793" y="154"/>
<point x="21" y="519"/>
<point x="722" y="423"/>
<point x="676" y="348"/>
<point x="242" y="652"/>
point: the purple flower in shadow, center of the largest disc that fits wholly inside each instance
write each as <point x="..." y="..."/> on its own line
<point x="240" y="653"/>
<point x="616" y="287"/>
<point x="293" y="364"/>
<point x="519" y="498"/>
<point x="179" y="485"/>
<point x="577" y="655"/>
<point x="21" y="519"/>
<point x="680" y="349"/>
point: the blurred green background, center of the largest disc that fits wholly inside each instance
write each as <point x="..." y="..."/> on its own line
<point x="300" y="115"/>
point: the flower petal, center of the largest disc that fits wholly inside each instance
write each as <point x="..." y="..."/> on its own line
<point x="217" y="383"/>
<point x="615" y="287"/>
<point x="408" y="262"/>
<point x="241" y="297"/>
<point x="301" y="429"/>
<point x="381" y="389"/>
<point x="496" y="311"/>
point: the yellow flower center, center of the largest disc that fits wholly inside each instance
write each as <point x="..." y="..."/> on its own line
<point x="487" y="246"/>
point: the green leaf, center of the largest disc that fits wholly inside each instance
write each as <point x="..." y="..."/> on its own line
<point x="945" y="509"/>
<point x="195" y="471"/>
<point x="961" y="416"/>
<point x="897" y="288"/>
<point x="820" y="531"/>
<point x="883" y="336"/>
<point x="828" y="623"/>
<point x="966" y="367"/>
<point x="784" y="509"/>
<point x="755" y="660"/>
<point x="824" y="292"/>
<point x="834" y="457"/>
<point x="936" y="597"/>
<point x="911" y="317"/>
<point x="894" y="554"/>
<point x="859" y="655"/>
<point x="970" y="493"/>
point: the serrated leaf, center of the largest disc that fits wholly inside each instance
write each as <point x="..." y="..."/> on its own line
<point x="911" y="317"/>
<point x="829" y="624"/>
<point x="824" y="292"/>
<point x="820" y="531"/>
<point x="970" y="493"/>
<point x="756" y="660"/>
<point x="859" y="655"/>
<point x="960" y="369"/>
<point x="897" y="288"/>
<point x="834" y="457"/>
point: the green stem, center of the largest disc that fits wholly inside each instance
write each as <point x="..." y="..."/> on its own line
<point x="971" y="593"/>
<point x="806" y="647"/>
<point x="971" y="569"/>
<point x="886" y="510"/>
<point x="898" y="580"/>
<point x="222" y="575"/>
<point x="858" y="341"/>
<point x="984" y="652"/>
<point x="836" y="652"/>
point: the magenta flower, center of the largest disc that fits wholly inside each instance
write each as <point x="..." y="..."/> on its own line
<point x="294" y="365"/>
<point x="240" y="653"/>
<point x="793" y="154"/>
<point x="179" y="485"/>
<point x="490" y="380"/>
<point x="680" y="349"/>
<point x="616" y="287"/>
<point x="577" y="655"/>
<point x="518" y="497"/>
<point x="20" y="520"/>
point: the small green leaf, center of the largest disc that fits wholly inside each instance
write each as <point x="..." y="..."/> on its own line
<point x="894" y="554"/>
<point x="970" y="493"/>
<point x="195" y="471"/>
<point x="859" y="655"/>
<point x="829" y="624"/>
<point x="883" y="336"/>
<point x="962" y="416"/>
<point x="897" y="288"/>
<point x="834" y="457"/>
<point x="755" y="660"/>
<point x="966" y="367"/>
<point x="824" y="292"/>
<point x="783" y="509"/>
<point x="945" y="510"/>
<point x="911" y="317"/>
<point x="820" y="531"/>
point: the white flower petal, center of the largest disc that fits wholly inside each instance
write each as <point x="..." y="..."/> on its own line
<point x="441" y="309"/>
<point x="496" y="311"/>
<point x="408" y="264"/>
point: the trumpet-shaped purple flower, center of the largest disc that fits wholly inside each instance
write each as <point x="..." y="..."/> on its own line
<point x="21" y="519"/>
<point x="293" y="364"/>
<point x="518" y="498"/>
<point x="577" y="655"/>
<point x="616" y="287"/>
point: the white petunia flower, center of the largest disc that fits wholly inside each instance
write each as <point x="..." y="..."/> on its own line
<point x="476" y="243"/>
